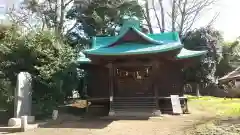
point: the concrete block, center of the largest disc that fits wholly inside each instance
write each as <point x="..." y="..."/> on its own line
<point x="31" y="119"/>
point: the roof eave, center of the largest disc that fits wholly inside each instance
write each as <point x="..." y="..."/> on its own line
<point x="134" y="53"/>
<point x="196" y="54"/>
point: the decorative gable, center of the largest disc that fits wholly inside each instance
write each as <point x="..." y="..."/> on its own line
<point x="132" y="35"/>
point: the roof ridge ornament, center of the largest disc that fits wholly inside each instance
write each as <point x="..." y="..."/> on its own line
<point x="130" y="22"/>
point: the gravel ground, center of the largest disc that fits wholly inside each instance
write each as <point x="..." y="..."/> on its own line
<point x="166" y="125"/>
<point x="228" y="126"/>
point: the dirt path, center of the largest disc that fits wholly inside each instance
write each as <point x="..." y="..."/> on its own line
<point x="167" y="125"/>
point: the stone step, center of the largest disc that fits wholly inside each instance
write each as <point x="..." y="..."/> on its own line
<point x="133" y="102"/>
<point x="134" y="114"/>
<point x="17" y="128"/>
<point x="134" y="106"/>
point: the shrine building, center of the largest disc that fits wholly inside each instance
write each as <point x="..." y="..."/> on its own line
<point x="136" y="72"/>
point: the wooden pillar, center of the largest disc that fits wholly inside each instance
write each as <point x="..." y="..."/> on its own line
<point x="155" y="65"/>
<point x="111" y="88"/>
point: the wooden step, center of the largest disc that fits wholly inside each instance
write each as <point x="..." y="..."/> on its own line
<point x="134" y="106"/>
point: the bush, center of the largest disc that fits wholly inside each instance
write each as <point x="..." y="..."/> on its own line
<point x="49" y="61"/>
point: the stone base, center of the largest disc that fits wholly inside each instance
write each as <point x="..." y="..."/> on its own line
<point x="157" y="113"/>
<point x="111" y="113"/>
<point x="14" y="122"/>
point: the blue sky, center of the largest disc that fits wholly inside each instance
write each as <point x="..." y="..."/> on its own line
<point x="227" y="22"/>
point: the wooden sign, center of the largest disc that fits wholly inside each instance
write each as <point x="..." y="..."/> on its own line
<point x="176" y="106"/>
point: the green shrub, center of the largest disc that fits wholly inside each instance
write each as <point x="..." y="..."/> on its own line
<point x="49" y="61"/>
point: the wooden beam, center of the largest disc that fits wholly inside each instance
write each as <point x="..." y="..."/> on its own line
<point x="111" y="87"/>
<point x="133" y="64"/>
<point x="155" y="65"/>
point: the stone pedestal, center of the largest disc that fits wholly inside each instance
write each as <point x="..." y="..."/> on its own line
<point x="24" y="123"/>
<point x="111" y="113"/>
<point x="55" y="114"/>
<point x="157" y="113"/>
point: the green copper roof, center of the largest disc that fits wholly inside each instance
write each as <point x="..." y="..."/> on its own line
<point x="132" y="41"/>
<point x="82" y="58"/>
<point x="184" y="53"/>
<point x="129" y="48"/>
<point x="133" y="25"/>
<point x="156" y="43"/>
<point x="162" y="38"/>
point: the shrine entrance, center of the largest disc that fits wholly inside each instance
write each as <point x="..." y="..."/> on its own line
<point x="134" y="82"/>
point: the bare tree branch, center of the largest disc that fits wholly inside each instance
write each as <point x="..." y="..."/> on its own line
<point x="50" y="4"/>
<point x="189" y="11"/>
<point x="156" y="15"/>
<point x="69" y="30"/>
<point x="67" y="3"/>
<point x="213" y="19"/>
<point x="21" y="18"/>
<point x="174" y="15"/>
<point x="60" y="26"/>
<point x="162" y="15"/>
<point x="147" y="16"/>
<point x="183" y="15"/>
<point x="191" y="22"/>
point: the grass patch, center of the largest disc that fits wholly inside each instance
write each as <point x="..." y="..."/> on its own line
<point x="217" y="106"/>
<point x="226" y="110"/>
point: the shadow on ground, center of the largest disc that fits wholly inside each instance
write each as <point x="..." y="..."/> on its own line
<point x="92" y="124"/>
<point x="71" y="117"/>
<point x="88" y="123"/>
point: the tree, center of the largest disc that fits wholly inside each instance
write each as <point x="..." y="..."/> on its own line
<point x="47" y="14"/>
<point x="100" y="18"/>
<point x="230" y="58"/>
<point x="76" y="21"/>
<point x="204" y="39"/>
